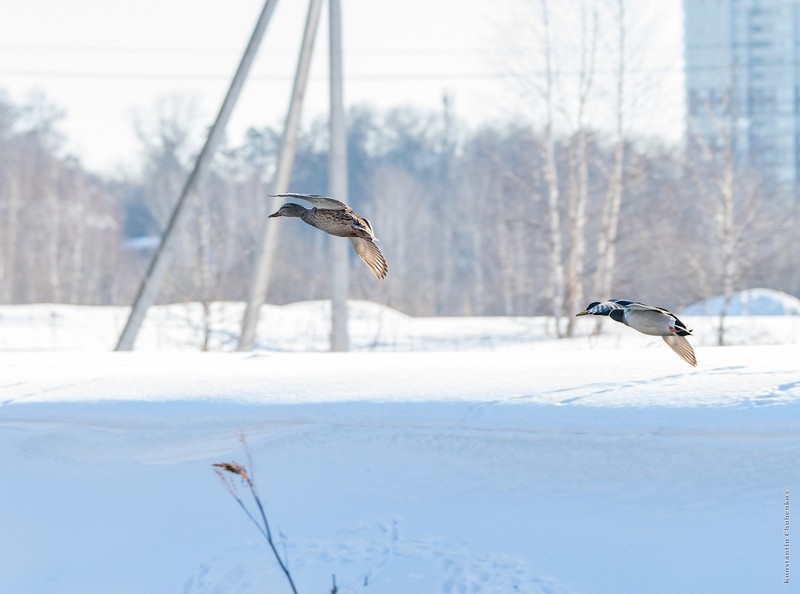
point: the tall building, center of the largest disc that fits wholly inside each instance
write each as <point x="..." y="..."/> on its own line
<point x="743" y="81"/>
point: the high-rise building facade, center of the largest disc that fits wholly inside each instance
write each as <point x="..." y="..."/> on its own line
<point x="743" y="81"/>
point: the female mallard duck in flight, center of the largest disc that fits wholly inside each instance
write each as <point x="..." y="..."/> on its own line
<point x="655" y="321"/>
<point x="336" y="218"/>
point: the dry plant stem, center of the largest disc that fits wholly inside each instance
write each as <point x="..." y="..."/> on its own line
<point x="263" y="526"/>
<point x="268" y="534"/>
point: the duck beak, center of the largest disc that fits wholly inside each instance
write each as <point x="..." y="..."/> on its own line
<point x="583" y="313"/>
<point x="274" y="214"/>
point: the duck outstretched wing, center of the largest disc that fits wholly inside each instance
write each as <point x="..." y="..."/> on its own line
<point x="318" y="201"/>
<point x="680" y="345"/>
<point x="371" y="256"/>
<point x="635" y="305"/>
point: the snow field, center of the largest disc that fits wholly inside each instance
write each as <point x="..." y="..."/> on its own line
<point x="507" y="466"/>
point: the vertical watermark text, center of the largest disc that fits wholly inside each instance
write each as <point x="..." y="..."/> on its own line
<point x="786" y="535"/>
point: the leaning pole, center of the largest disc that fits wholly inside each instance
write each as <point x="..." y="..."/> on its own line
<point x="283" y="173"/>
<point x="151" y="284"/>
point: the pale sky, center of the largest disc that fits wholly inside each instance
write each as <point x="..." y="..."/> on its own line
<point x="103" y="62"/>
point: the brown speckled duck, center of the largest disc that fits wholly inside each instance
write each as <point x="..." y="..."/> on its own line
<point x="336" y="218"/>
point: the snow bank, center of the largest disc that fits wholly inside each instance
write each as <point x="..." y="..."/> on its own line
<point x="752" y="302"/>
<point x="305" y="327"/>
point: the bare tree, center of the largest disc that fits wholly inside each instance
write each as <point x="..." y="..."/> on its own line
<point x="578" y="162"/>
<point x="10" y="198"/>
<point x="733" y="197"/>
<point x="609" y="226"/>
<point x="555" y="249"/>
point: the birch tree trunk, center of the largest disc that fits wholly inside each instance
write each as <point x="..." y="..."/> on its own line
<point x="555" y="249"/>
<point x="203" y="266"/>
<point x="54" y="240"/>
<point x="727" y="239"/>
<point x="718" y="153"/>
<point x="607" y="240"/>
<point x="78" y="231"/>
<point x="579" y="170"/>
<point x="10" y="289"/>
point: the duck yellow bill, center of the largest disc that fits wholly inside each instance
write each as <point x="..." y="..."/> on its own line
<point x="583" y="313"/>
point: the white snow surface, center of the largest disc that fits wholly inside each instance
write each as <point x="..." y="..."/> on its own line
<point x="475" y="455"/>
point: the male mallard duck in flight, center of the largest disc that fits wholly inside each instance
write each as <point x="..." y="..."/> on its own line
<point x="336" y="218"/>
<point x="655" y="321"/>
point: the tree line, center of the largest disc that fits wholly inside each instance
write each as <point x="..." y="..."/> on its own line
<point x="511" y="218"/>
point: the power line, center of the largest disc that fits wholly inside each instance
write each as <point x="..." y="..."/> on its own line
<point x="17" y="47"/>
<point x="207" y="77"/>
<point x="182" y="76"/>
<point x="414" y="51"/>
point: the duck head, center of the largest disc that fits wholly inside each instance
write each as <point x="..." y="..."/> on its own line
<point x="589" y="309"/>
<point x="290" y="209"/>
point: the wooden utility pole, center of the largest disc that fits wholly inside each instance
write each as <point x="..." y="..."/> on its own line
<point x="337" y="182"/>
<point x="283" y="173"/>
<point x="151" y="284"/>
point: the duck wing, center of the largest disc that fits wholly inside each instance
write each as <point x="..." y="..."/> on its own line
<point x="371" y="256"/>
<point x="680" y="326"/>
<point x="680" y="345"/>
<point x="638" y="306"/>
<point x="325" y="202"/>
